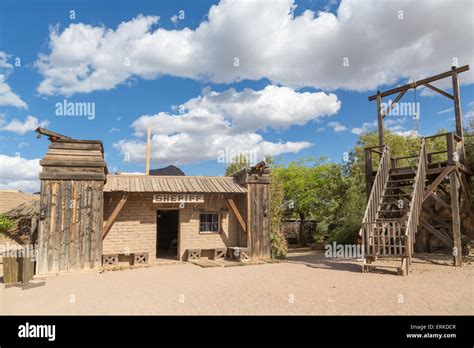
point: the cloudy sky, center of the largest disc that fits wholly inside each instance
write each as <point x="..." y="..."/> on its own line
<point x="281" y="77"/>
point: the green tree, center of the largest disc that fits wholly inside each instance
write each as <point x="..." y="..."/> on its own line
<point x="239" y="162"/>
<point x="312" y="190"/>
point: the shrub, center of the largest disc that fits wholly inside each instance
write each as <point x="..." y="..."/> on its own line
<point x="5" y="223"/>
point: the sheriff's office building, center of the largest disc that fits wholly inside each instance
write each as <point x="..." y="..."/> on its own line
<point x="89" y="218"/>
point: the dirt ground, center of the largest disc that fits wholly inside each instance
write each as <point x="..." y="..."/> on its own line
<point x="306" y="283"/>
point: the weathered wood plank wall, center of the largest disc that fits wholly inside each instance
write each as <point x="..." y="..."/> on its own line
<point x="70" y="237"/>
<point x="71" y="207"/>
<point x="258" y="220"/>
<point x="257" y="182"/>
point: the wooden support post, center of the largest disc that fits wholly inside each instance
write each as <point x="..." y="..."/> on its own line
<point x="457" y="104"/>
<point x="147" y="170"/>
<point x="368" y="172"/>
<point x="457" y="251"/>
<point x="451" y="149"/>
<point x="380" y="118"/>
<point x="108" y="224"/>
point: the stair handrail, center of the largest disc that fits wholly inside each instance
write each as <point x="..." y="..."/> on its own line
<point x="416" y="202"/>
<point x="376" y="193"/>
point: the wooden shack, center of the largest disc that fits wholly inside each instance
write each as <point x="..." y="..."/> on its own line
<point x="71" y="214"/>
<point x="89" y="219"/>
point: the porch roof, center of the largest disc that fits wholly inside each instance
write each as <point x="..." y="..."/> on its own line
<point x="172" y="184"/>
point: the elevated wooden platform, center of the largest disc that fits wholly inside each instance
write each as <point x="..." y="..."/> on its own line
<point x="417" y="198"/>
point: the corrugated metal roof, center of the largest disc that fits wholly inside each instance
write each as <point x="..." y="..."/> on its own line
<point x="172" y="184"/>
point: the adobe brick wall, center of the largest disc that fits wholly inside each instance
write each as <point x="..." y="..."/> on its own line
<point x="135" y="226"/>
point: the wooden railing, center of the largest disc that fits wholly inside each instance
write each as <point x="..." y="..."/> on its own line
<point x="416" y="199"/>
<point x="452" y="152"/>
<point x="386" y="238"/>
<point x="376" y="193"/>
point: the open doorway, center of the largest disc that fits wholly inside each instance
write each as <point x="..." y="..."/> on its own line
<point x="167" y="224"/>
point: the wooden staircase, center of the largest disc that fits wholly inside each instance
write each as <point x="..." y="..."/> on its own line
<point x="427" y="198"/>
<point x="392" y="215"/>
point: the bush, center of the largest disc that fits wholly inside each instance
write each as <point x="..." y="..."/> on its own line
<point x="278" y="241"/>
<point x="279" y="245"/>
<point x="5" y="223"/>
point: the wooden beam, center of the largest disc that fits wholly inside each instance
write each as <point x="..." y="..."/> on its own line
<point x="440" y="91"/>
<point x="52" y="136"/>
<point x="420" y="82"/>
<point x="236" y="212"/>
<point x="433" y="217"/>
<point x="456" y="219"/>
<point x="108" y="224"/>
<point x="397" y="99"/>
<point x="438" y="199"/>
<point x="437" y="181"/>
<point x="436" y="233"/>
<point x="457" y="103"/>
<point x="71" y="176"/>
<point x="465" y="191"/>
<point x="380" y="119"/>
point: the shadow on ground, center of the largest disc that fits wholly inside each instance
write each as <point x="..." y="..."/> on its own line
<point x="316" y="259"/>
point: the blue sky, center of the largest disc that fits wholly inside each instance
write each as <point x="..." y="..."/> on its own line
<point x="328" y="100"/>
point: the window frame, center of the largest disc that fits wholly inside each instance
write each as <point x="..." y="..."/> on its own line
<point x="218" y="222"/>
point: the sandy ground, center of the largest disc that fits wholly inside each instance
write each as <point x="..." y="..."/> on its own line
<point x="306" y="283"/>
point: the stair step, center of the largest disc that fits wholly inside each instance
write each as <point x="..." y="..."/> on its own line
<point x="398" y="187"/>
<point x="393" y="211"/>
<point x="401" y="180"/>
<point x="412" y="174"/>
<point x="391" y="219"/>
<point x="403" y="169"/>
<point x="383" y="265"/>
<point x="397" y="195"/>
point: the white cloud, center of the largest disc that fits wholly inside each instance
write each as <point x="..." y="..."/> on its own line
<point x="394" y="125"/>
<point x="269" y="42"/>
<point x="470" y="113"/>
<point x="248" y="110"/>
<point x="19" y="173"/>
<point x="21" y="127"/>
<point x="337" y="127"/>
<point x="4" y="61"/>
<point x="407" y="133"/>
<point x="214" y="121"/>
<point x="366" y="127"/>
<point x="7" y="96"/>
<point x="444" y="111"/>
